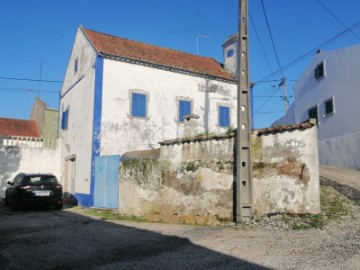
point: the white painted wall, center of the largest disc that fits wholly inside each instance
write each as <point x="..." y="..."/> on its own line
<point x="78" y="96"/>
<point x="340" y="131"/>
<point x="121" y="133"/>
<point x="14" y="160"/>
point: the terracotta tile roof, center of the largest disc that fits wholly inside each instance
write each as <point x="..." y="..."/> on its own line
<point x="112" y="46"/>
<point x="17" y="127"/>
<point x="277" y="129"/>
<point x="257" y="132"/>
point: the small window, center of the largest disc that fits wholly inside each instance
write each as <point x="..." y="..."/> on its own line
<point x="313" y="113"/>
<point x="76" y="65"/>
<point x="184" y="109"/>
<point x="65" y="119"/>
<point x="329" y="107"/>
<point x="230" y="53"/>
<point x="224" y="116"/>
<point x="320" y="71"/>
<point x="138" y="105"/>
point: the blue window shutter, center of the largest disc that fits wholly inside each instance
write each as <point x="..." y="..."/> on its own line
<point x="184" y="109"/>
<point x="138" y="106"/>
<point x="224" y="116"/>
<point x="64" y="119"/>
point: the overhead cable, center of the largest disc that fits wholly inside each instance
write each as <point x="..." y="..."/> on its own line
<point x="337" y="18"/>
<point x="30" y="80"/>
<point x="312" y="51"/>
<point x="271" y="37"/>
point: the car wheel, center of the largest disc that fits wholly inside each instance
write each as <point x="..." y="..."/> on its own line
<point x="58" y="206"/>
<point x="7" y="203"/>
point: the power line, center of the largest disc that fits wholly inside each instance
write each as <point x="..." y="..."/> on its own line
<point x="7" y="89"/>
<point x="30" y="80"/>
<point x="310" y="52"/>
<point x="271" y="112"/>
<point x="261" y="46"/>
<point x="271" y="37"/>
<point x="337" y="18"/>
<point x="266" y="101"/>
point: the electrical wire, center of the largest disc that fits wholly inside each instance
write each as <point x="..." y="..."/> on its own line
<point x="271" y="37"/>
<point x="311" y="52"/>
<point x="30" y="80"/>
<point x="262" y="47"/>
<point x="337" y="18"/>
<point x="266" y="101"/>
<point x="6" y="89"/>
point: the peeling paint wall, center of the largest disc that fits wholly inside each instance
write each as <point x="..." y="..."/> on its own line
<point x="121" y="133"/>
<point x="193" y="182"/>
<point x="286" y="172"/>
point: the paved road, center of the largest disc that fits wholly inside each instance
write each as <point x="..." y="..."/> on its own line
<point x="49" y="239"/>
<point x="343" y="176"/>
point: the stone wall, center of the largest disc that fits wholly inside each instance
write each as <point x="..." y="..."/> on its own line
<point x="192" y="180"/>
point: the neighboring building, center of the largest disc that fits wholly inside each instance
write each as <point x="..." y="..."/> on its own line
<point x="328" y="91"/>
<point x="17" y="132"/>
<point x="47" y="120"/>
<point x="121" y="95"/>
<point x="231" y="50"/>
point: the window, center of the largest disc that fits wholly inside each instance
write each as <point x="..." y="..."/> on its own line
<point x="76" y="65"/>
<point x="65" y="119"/>
<point x="138" y="105"/>
<point x="320" y="71"/>
<point x="329" y="107"/>
<point x="184" y="109"/>
<point x="313" y="113"/>
<point x="230" y="53"/>
<point x="224" y="116"/>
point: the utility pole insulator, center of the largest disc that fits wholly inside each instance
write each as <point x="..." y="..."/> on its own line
<point x="244" y="186"/>
<point x="285" y="98"/>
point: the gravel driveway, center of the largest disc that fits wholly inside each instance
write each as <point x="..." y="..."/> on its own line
<point x="68" y="239"/>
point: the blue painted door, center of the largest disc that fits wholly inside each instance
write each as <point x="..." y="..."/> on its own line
<point x="106" y="186"/>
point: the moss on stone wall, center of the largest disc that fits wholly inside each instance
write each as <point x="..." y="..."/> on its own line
<point x="147" y="173"/>
<point x="256" y="148"/>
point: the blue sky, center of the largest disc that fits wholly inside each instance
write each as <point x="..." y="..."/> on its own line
<point x="32" y="30"/>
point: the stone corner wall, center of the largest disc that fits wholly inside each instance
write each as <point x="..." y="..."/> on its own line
<point x="286" y="172"/>
<point x="192" y="181"/>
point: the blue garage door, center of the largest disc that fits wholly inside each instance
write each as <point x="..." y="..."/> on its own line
<point x="106" y="186"/>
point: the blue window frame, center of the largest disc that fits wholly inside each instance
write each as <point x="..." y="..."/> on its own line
<point x="224" y="116"/>
<point x="184" y="109"/>
<point x="138" y="105"/>
<point x="65" y="119"/>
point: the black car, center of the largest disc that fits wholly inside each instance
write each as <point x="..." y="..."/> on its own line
<point x="34" y="189"/>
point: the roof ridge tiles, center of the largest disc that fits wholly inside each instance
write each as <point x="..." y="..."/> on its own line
<point x="124" y="48"/>
<point x="153" y="45"/>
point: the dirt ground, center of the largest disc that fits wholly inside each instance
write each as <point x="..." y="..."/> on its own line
<point x="70" y="239"/>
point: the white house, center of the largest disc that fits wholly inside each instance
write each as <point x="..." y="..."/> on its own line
<point x="121" y="95"/>
<point x="328" y="90"/>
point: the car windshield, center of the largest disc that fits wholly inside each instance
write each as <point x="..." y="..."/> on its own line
<point x="38" y="179"/>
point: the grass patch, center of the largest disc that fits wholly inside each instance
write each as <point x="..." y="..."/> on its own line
<point x="334" y="206"/>
<point x="106" y="214"/>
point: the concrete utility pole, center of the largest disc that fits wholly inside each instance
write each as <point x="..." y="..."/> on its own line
<point x="285" y="98"/>
<point x="243" y="135"/>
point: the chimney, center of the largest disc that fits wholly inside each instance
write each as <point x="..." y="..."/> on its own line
<point x="230" y="47"/>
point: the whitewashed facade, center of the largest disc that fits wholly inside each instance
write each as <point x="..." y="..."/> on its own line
<point x="96" y="114"/>
<point x="333" y="98"/>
